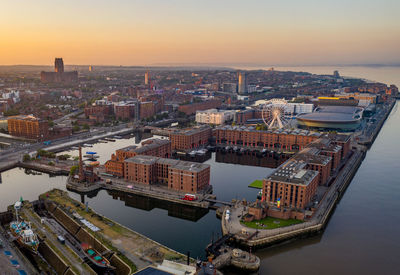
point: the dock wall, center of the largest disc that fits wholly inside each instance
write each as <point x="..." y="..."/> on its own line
<point x="307" y="228"/>
<point x="85" y="237"/>
<point x="54" y="259"/>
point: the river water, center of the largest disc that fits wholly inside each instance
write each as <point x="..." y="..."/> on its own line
<point x="362" y="235"/>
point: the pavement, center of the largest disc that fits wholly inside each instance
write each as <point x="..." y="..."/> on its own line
<point x="234" y="226"/>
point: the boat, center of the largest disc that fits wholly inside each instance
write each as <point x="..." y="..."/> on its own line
<point x="110" y="139"/>
<point x="118" y="137"/>
<point x="89" y="156"/>
<point x="88" y="145"/>
<point x="95" y="257"/>
<point x="201" y="152"/>
<point x="94" y="163"/>
<point x="23" y="232"/>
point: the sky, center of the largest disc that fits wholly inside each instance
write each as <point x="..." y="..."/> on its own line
<point x="176" y="32"/>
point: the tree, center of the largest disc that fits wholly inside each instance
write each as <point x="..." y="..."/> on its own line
<point x="73" y="169"/>
<point x="26" y="158"/>
<point x="76" y="128"/>
<point x="86" y="126"/>
<point x="11" y="112"/>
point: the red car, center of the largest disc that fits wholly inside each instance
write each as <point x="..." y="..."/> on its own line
<point x="189" y="197"/>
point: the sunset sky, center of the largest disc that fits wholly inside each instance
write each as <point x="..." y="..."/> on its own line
<point x="129" y="32"/>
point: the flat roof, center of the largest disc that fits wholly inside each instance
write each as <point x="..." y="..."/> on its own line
<point x="299" y="132"/>
<point x="177" y="164"/>
<point x="325" y="144"/>
<point x="191" y="131"/>
<point x="25" y="117"/>
<point x="293" y="172"/>
<point x="146" y="145"/>
<point x="311" y="156"/>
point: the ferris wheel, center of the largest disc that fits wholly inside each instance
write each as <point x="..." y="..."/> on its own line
<point x="273" y="113"/>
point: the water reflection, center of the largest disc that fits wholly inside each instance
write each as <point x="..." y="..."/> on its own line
<point x="250" y="158"/>
<point x="148" y="204"/>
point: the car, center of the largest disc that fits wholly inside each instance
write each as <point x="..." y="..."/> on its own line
<point x="189" y="197"/>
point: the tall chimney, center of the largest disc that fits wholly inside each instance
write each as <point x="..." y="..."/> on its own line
<point x="81" y="174"/>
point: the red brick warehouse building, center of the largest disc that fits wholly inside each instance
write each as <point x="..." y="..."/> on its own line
<point x="152" y="147"/>
<point x="183" y="176"/>
<point x="190" y="138"/>
<point x="247" y="136"/>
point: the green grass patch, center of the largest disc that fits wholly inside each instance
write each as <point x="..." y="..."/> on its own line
<point x="256" y="184"/>
<point x="270" y="223"/>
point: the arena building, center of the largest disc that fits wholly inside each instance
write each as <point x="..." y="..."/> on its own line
<point x="342" y="118"/>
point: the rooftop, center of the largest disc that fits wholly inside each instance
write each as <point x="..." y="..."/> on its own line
<point x="324" y="144"/>
<point x="293" y="171"/>
<point x="147" y="145"/>
<point x="173" y="163"/>
<point x="299" y="132"/>
<point x="191" y="131"/>
<point x="333" y="114"/>
<point x="311" y="156"/>
<point x="26" y="117"/>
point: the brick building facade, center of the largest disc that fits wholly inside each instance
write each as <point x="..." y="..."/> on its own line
<point x="247" y="136"/>
<point x="152" y="147"/>
<point x="190" y="109"/>
<point x="29" y="127"/>
<point x="190" y="138"/>
<point x="292" y="184"/>
<point x="178" y="175"/>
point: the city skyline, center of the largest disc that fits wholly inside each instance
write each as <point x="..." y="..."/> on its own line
<point x="208" y="32"/>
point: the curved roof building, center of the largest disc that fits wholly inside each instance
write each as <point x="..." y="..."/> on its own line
<point x="343" y="118"/>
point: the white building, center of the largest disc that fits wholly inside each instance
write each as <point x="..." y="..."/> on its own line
<point x="299" y="108"/>
<point x="213" y="116"/>
<point x="292" y="108"/>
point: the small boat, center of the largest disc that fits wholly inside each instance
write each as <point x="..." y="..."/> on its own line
<point x="109" y="139"/>
<point x="88" y="145"/>
<point x="201" y="152"/>
<point x="95" y="257"/>
<point x="74" y="148"/>
<point x="94" y="163"/>
<point x="91" y="156"/>
<point x="118" y="137"/>
<point x="23" y="232"/>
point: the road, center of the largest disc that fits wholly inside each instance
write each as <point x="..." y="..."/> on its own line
<point x="15" y="154"/>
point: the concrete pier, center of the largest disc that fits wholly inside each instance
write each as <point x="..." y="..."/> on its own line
<point x="266" y="237"/>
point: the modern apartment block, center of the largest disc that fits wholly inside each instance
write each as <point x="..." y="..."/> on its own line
<point x="214" y="116"/>
<point x="28" y="127"/>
